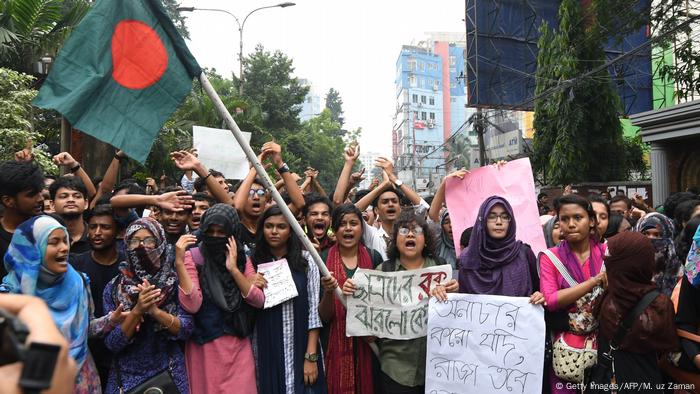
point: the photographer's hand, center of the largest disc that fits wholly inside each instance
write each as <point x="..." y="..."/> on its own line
<point x="32" y="311"/>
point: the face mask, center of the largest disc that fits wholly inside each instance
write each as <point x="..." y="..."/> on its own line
<point x="148" y="258"/>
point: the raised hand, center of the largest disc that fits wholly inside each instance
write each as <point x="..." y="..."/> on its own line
<point x="184" y="160"/>
<point x="184" y="242"/>
<point x="385" y="164"/>
<point x="149" y="296"/>
<point x="461" y="173"/>
<point x="357" y="177"/>
<point x="175" y="201"/>
<point x="118" y="315"/>
<point x="64" y="159"/>
<point x="231" y="255"/>
<point x="273" y="150"/>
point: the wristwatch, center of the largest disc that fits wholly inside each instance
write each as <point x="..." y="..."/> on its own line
<point x="398" y="182"/>
<point x="313" y="357"/>
<point x="284" y="168"/>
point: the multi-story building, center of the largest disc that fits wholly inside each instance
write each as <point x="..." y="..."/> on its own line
<point x="367" y="162"/>
<point x="430" y="107"/>
<point x="312" y="102"/>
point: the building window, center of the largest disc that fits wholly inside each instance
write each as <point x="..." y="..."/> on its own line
<point x="412" y="80"/>
<point x="432" y="116"/>
<point x="453" y="100"/>
<point x="415" y="98"/>
<point x="422" y="99"/>
<point x="423" y="115"/>
<point x="422" y="66"/>
<point x="411" y="64"/>
<point x="432" y="100"/>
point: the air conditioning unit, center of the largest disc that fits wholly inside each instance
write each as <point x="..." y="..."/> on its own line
<point x="435" y="87"/>
<point x="431" y="124"/>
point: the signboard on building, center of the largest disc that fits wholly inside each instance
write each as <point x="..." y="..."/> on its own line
<point x="503" y="145"/>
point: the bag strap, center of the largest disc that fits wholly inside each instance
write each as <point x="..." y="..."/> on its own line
<point x="627" y="323"/>
<point x="561" y="268"/>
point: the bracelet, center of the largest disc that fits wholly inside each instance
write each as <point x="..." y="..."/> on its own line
<point x="120" y="158"/>
<point x="75" y="168"/>
<point x="205" y="178"/>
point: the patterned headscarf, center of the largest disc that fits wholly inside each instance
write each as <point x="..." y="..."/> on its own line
<point x="692" y="263"/>
<point x="154" y="265"/>
<point x="668" y="266"/>
<point x="67" y="297"/>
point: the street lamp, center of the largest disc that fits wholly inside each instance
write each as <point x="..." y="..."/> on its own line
<point x="240" y="31"/>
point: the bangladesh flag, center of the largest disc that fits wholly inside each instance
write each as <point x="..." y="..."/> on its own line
<point x="122" y="72"/>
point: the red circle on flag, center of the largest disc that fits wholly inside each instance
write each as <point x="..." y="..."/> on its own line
<point x="139" y="58"/>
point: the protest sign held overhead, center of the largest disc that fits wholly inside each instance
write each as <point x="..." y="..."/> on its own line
<point x="484" y="344"/>
<point x="120" y="75"/>
<point x="393" y="304"/>
<point x="514" y="182"/>
<point x="217" y="148"/>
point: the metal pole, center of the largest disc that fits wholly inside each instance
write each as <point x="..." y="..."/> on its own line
<point x="221" y="108"/>
<point x="479" y="126"/>
<point x="240" y="61"/>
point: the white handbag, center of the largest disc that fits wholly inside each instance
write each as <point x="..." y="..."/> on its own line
<point x="570" y="363"/>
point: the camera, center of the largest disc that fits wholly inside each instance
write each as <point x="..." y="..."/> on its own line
<point x="39" y="358"/>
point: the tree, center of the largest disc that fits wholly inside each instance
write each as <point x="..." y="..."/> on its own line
<point x="270" y="85"/>
<point x="17" y="118"/>
<point x="458" y="153"/>
<point x="335" y="104"/>
<point x="176" y="16"/>
<point x="316" y="145"/>
<point x="577" y="128"/>
<point x="31" y="28"/>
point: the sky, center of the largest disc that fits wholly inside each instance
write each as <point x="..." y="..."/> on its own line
<point x="351" y="46"/>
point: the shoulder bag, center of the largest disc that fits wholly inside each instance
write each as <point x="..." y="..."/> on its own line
<point x="569" y="362"/>
<point x="603" y="373"/>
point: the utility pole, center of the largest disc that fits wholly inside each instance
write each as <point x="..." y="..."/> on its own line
<point x="479" y="128"/>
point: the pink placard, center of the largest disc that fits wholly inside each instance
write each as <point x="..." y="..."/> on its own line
<point x="514" y="182"/>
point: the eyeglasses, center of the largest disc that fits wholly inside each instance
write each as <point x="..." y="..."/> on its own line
<point x="260" y="192"/>
<point x="415" y="230"/>
<point x="492" y="217"/>
<point x="149" y="242"/>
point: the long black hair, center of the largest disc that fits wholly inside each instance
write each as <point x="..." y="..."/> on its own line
<point x="685" y="239"/>
<point x="262" y="254"/>
<point x="406" y="219"/>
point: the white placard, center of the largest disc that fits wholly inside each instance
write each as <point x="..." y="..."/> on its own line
<point x="484" y="344"/>
<point x="219" y="150"/>
<point x="392" y="304"/>
<point x="280" y="285"/>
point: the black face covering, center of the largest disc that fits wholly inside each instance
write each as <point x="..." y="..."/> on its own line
<point x="216" y="245"/>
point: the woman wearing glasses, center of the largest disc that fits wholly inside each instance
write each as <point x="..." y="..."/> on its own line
<point x="403" y="361"/>
<point x="146" y="344"/>
<point x="495" y="262"/>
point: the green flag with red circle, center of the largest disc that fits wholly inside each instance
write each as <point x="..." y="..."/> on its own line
<point x="121" y="74"/>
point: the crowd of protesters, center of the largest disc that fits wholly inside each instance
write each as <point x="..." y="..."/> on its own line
<point x="160" y="283"/>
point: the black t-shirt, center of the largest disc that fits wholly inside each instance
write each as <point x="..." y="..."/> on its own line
<point x="99" y="275"/>
<point x="5" y="239"/>
<point x="243" y="235"/>
<point x="82" y="245"/>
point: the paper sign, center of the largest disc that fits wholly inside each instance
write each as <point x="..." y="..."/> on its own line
<point x="513" y="182"/>
<point x="280" y="285"/>
<point x="484" y="344"/>
<point x="219" y="150"/>
<point x="392" y="304"/>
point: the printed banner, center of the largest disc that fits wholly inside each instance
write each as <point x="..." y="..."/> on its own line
<point x="392" y="304"/>
<point x="513" y="182"/>
<point x="484" y="344"/>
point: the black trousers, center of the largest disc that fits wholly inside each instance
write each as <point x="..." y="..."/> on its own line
<point x="389" y="386"/>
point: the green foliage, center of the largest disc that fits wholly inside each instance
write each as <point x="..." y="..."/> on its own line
<point x="270" y="85"/>
<point x="177" y="18"/>
<point x="335" y="104"/>
<point x="17" y="118"/>
<point x="577" y="128"/>
<point x="458" y="152"/>
<point x="635" y="153"/>
<point x="31" y="28"/>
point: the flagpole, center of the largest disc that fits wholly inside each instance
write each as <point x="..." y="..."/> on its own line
<point x="253" y="158"/>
